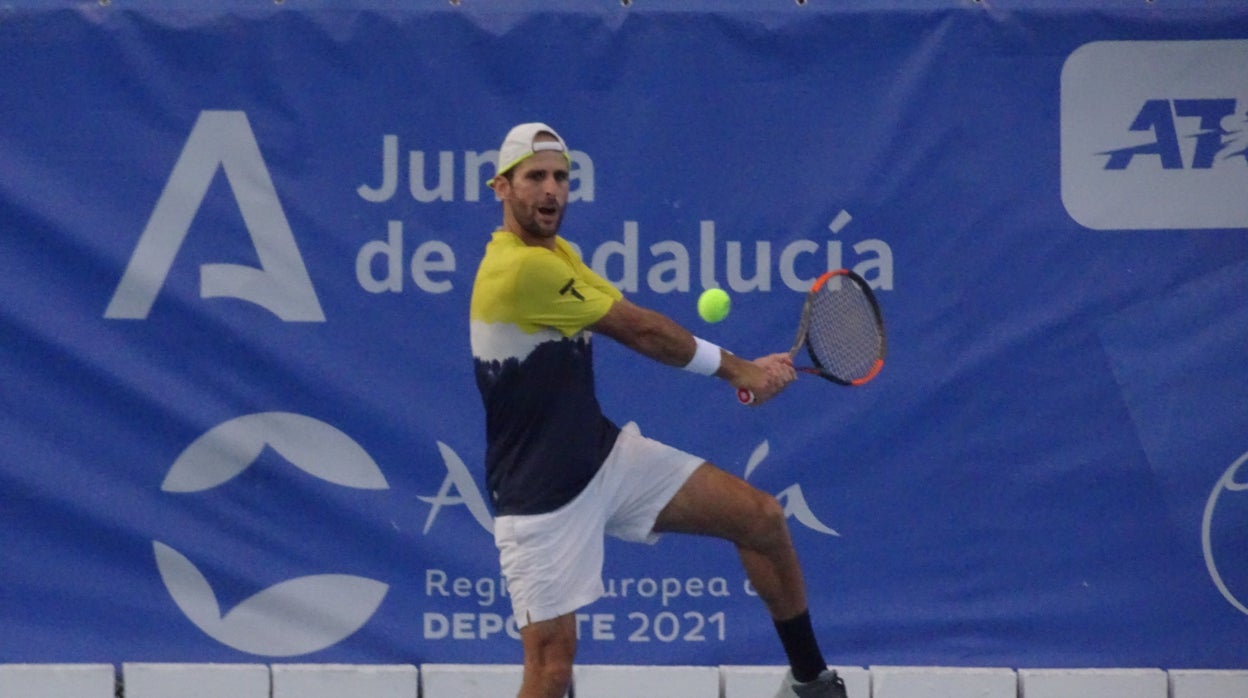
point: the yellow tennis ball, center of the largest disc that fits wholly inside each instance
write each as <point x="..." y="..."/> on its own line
<point x="713" y="304"/>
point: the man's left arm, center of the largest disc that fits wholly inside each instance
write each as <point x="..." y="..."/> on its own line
<point x="657" y="336"/>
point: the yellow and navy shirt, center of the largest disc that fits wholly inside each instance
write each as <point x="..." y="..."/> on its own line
<point x="546" y="435"/>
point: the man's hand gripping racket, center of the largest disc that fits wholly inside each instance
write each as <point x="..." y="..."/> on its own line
<point x="842" y="330"/>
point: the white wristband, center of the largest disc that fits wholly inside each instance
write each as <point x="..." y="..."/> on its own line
<point x="705" y="359"/>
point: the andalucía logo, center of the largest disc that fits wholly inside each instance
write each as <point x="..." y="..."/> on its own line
<point x="460" y="488"/>
<point x="1155" y="134"/>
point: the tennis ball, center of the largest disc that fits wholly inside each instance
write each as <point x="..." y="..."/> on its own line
<point x="713" y="304"/>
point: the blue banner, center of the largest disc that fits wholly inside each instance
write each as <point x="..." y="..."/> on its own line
<point x="237" y="244"/>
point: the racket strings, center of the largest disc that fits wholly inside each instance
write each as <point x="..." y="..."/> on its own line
<point x="844" y="336"/>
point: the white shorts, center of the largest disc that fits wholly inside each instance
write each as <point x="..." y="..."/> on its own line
<point x="553" y="561"/>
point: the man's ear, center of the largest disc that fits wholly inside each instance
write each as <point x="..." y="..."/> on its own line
<point x="502" y="187"/>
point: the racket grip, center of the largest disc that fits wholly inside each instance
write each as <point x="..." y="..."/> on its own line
<point x="745" y="396"/>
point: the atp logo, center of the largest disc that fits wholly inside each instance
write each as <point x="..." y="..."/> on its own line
<point x="220" y="140"/>
<point x="299" y="615"/>
<point x="1209" y="137"/>
<point x="1155" y="135"/>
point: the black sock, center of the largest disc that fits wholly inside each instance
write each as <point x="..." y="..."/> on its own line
<point x="798" y="637"/>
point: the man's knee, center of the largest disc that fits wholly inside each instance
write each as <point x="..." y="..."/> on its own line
<point x="768" y="527"/>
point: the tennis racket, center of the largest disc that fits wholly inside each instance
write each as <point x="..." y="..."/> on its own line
<point x="842" y="330"/>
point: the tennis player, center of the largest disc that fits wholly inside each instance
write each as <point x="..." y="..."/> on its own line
<point x="560" y="475"/>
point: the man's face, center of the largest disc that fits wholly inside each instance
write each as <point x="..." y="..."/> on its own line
<point x="537" y="194"/>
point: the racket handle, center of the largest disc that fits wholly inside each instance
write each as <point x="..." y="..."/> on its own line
<point x="745" y="396"/>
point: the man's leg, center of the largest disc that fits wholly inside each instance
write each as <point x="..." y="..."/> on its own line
<point x="549" y="648"/>
<point x="715" y="503"/>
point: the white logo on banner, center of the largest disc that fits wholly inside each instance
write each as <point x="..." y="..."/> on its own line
<point x="1226" y="483"/>
<point x="1155" y="134"/>
<point x="220" y="140"/>
<point x="299" y="615"/>
<point x="791" y="497"/>
<point x="459" y="479"/>
<point x="459" y="487"/>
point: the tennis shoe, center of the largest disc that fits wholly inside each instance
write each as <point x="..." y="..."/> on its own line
<point x="828" y="685"/>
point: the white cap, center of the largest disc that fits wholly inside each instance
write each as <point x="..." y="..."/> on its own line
<point x="520" y="144"/>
